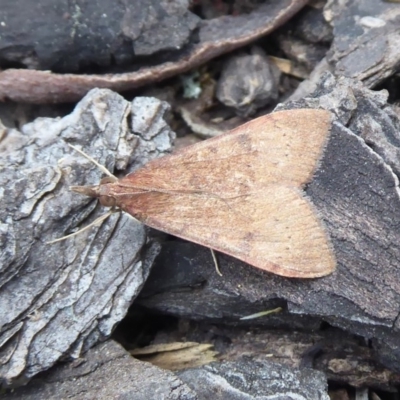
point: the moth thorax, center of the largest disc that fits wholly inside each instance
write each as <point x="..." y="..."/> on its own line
<point x="107" y="201"/>
<point x="105" y="198"/>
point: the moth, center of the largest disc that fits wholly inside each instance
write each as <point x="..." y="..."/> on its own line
<point x="240" y="193"/>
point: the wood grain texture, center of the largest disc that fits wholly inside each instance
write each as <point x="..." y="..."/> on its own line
<point x="240" y="193"/>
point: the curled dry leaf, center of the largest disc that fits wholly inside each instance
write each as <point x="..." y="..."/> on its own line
<point x="215" y="37"/>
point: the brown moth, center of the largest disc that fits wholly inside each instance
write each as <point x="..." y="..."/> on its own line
<point x="239" y="193"/>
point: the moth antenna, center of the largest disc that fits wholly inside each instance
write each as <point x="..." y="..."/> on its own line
<point x="261" y="314"/>
<point x="214" y="257"/>
<point x="101" y="167"/>
<point x="95" y="222"/>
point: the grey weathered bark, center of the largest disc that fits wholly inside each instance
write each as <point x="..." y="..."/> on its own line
<point x="366" y="37"/>
<point x="106" y="372"/>
<point x="57" y="300"/>
<point x="109" y="372"/>
<point x="365" y="43"/>
<point x="253" y="379"/>
<point x="356" y="192"/>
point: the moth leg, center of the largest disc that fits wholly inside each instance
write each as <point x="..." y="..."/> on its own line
<point x="97" y="221"/>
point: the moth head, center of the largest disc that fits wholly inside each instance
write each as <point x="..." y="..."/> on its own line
<point x="101" y="191"/>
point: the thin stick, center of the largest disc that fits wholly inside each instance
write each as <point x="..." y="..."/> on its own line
<point x="215" y="262"/>
<point x="95" y="222"/>
<point x="101" y="167"/>
<point x="262" y="314"/>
